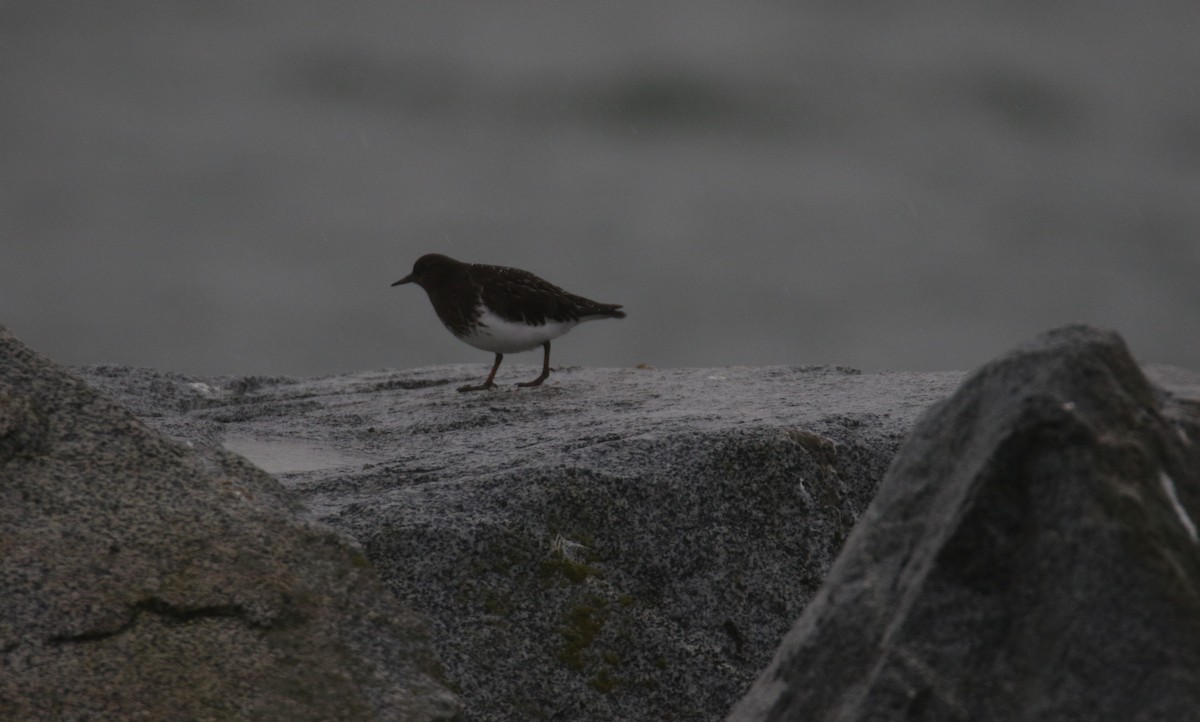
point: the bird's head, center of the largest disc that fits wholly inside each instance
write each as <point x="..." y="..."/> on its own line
<point x="429" y="268"/>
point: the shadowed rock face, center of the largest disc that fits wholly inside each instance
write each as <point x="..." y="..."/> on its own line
<point x="143" y="580"/>
<point x="1031" y="554"/>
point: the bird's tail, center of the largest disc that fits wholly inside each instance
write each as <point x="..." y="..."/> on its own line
<point x="608" y="310"/>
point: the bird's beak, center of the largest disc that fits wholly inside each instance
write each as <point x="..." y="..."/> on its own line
<point x="406" y="279"/>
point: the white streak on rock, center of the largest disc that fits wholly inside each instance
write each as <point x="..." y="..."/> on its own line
<point x="1168" y="486"/>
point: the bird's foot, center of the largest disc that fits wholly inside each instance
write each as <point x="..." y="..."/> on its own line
<point x="480" y="387"/>
<point x="536" y="382"/>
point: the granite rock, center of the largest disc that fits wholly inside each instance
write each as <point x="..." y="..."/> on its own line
<point x="619" y="544"/>
<point x="1031" y="555"/>
<point x="143" y="578"/>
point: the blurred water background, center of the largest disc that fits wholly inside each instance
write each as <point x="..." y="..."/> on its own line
<point x="211" y="187"/>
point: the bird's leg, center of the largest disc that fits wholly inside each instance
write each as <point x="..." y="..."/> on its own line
<point x="545" y="369"/>
<point x="486" y="384"/>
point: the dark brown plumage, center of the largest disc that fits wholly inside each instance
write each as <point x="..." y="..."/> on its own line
<point x="501" y="309"/>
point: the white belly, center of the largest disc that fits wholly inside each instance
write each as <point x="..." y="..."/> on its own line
<point x="499" y="336"/>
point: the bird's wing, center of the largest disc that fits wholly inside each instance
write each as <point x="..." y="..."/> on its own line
<point x="520" y="296"/>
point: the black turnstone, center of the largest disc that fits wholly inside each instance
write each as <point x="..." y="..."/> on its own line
<point x="502" y="310"/>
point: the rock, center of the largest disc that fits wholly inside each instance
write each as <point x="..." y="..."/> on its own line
<point x="144" y="580"/>
<point x="1031" y="555"/>
<point x="619" y="544"/>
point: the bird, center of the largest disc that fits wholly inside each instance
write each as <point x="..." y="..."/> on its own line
<point x="501" y="309"/>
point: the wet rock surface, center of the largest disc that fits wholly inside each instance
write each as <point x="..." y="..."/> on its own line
<point x="617" y="544"/>
<point x="1032" y="554"/>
